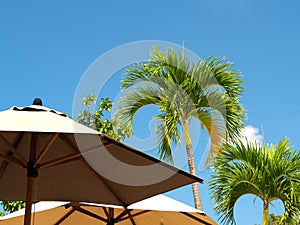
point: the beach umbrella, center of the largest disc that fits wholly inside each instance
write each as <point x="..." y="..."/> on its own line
<point x="156" y="210"/>
<point x="45" y="155"/>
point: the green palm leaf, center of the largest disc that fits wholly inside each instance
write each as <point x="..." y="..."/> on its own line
<point x="208" y="90"/>
<point x="268" y="172"/>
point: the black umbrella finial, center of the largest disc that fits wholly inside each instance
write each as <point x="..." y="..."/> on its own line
<point x="37" y="101"/>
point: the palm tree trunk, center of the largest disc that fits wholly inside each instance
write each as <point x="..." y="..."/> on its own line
<point x="265" y="214"/>
<point x="191" y="163"/>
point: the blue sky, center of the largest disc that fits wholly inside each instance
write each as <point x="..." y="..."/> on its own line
<point x="46" y="47"/>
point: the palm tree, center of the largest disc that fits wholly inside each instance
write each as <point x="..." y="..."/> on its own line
<point x="208" y="91"/>
<point x="267" y="171"/>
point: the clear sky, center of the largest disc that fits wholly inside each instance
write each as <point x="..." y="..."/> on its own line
<point x="46" y="47"/>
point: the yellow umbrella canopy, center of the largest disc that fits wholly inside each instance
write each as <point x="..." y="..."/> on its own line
<point x="156" y="210"/>
<point x="45" y="155"/>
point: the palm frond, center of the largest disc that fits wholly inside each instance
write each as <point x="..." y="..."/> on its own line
<point x="133" y="100"/>
<point x="167" y="133"/>
<point x="269" y="172"/>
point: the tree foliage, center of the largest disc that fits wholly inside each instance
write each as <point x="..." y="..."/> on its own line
<point x="97" y="120"/>
<point x="267" y="171"/>
<point x="12" y="206"/>
<point x="278" y="220"/>
<point x="208" y="90"/>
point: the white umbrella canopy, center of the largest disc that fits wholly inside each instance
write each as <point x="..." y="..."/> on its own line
<point x="156" y="210"/>
<point x="45" y="155"/>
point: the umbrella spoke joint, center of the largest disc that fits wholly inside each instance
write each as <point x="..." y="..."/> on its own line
<point x="111" y="221"/>
<point x="32" y="171"/>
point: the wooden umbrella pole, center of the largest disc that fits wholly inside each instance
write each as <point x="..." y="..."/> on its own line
<point x="29" y="197"/>
<point x="32" y="174"/>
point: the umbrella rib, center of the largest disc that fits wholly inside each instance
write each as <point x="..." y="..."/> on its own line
<point x="196" y="218"/>
<point x="134" y="215"/>
<point x="131" y="219"/>
<point x="10" y="154"/>
<point x="10" y="159"/>
<point x="126" y="211"/>
<point x="75" y="155"/>
<point x="105" y="211"/>
<point x="5" y="163"/>
<point x="67" y="157"/>
<point x="72" y="147"/>
<point x="91" y="214"/>
<point x="69" y="144"/>
<point x="46" y="148"/>
<point x="65" y="217"/>
<point x="13" y="150"/>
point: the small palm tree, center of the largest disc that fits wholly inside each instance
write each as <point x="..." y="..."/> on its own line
<point x="268" y="172"/>
<point x="208" y="91"/>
